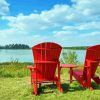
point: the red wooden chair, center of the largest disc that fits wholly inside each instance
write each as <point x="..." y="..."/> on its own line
<point x="92" y="61"/>
<point x="46" y="61"/>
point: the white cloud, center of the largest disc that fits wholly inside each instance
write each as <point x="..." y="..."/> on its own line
<point x="71" y="28"/>
<point x="88" y="7"/>
<point x="64" y="33"/>
<point x="92" y="34"/>
<point x="32" y="22"/>
<point x="80" y="20"/>
<point x="4" y="7"/>
<point x="84" y="26"/>
<point x="90" y="26"/>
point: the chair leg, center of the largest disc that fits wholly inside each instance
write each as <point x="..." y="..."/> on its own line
<point x="89" y="85"/>
<point x="59" y="86"/>
<point x="31" y="81"/>
<point x="90" y="88"/>
<point x="71" y="73"/>
<point x="35" y="89"/>
<point x="89" y="79"/>
<point x="39" y="84"/>
<point x="53" y="82"/>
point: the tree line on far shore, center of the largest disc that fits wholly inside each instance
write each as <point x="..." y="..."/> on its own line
<point x="77" y="47"/>
<point x="15" y="46"/>
<point x="24" y="46"/>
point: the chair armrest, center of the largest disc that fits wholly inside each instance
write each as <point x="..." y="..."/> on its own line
<point x="87" y="66"/>
<point x="89" y="62"/>
<point x="92" y="61"/>
<point x="31" y="68"/>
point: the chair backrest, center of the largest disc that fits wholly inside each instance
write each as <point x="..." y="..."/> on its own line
<point x="46" y="55"/>
<point x="92" y="54"/>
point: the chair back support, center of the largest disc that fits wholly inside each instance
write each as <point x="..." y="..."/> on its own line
<point x="92" y="54"/>
<point x="46" y="57"/>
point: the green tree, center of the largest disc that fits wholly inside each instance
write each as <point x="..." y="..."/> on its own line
<point x="16" y="46"/>
<point x="69" y="57"/>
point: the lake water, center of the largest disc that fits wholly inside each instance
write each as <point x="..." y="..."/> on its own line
<point x="26" y="55"/>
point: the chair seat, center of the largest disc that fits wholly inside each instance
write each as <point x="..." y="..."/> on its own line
<point x="77" y="73"/>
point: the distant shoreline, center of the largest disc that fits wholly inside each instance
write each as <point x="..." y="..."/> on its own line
<point x="77" y="48"/>
<point x="27" y="47"/>
<point x="72" y="48"/>
<point x="14" y="49"/>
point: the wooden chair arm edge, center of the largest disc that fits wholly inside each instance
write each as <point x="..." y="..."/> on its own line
<point x="92" y="61"/>
<point x="30" y="67"/>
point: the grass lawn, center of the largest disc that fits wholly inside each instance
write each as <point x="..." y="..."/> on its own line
<point x="15" y="85"/>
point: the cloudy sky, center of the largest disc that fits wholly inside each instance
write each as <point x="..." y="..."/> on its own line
<point x="67" y="22"/>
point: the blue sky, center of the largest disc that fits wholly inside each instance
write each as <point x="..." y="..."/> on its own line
<point x="67" y="22"/>
<point x="28" y="6"/>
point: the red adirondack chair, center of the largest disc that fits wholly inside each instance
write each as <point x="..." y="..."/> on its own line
<point x="91" y="63"/>
<point x="46" y="61"/>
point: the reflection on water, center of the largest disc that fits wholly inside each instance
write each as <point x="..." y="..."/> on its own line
<point x="26" y="55"/>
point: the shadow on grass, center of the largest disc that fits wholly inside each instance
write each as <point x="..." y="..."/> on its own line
<point x="48" y="88"/>
<point x="66" y="88"/>
<point x="95" y="86"/>
<point x="71" y="87"/>
<point x="75" y="86"/>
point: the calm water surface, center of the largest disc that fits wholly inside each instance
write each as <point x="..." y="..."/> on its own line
<point x="26" y="55"/>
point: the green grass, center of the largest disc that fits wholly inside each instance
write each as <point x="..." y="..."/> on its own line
<point x="15" y="85"/>
<point x="14" y="69"/>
